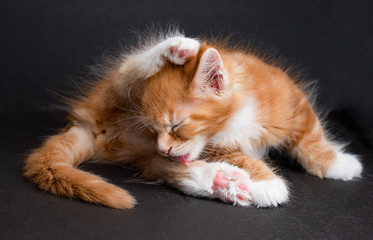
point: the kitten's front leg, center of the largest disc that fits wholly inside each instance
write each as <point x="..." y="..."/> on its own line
<point x="199" y="178"/>
<point x="178" y="50"/>
<point x="147" y="62"/>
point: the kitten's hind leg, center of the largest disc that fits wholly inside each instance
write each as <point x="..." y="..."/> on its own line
<point x="321" y="157"/>
<point x="52" y="168"/>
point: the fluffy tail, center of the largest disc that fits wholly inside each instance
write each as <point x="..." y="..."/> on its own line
<point x="51" y="167"/>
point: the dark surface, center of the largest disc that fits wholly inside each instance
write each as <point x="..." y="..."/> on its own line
<point x="43" y="42"/>
<point x="319" y="209"/>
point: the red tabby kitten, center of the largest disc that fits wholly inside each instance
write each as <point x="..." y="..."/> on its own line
<point x="195" y="115"/>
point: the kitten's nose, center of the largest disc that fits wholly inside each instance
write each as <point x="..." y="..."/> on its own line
<point x="166" y="152"/>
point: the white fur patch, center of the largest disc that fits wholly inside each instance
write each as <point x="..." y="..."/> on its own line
<point x="200" y="179"/>
<point x="242" y="129"/>
<point x="270" y="193"/>
<point x="151" y="61"/>
<point x="346" y="167"/>
<point x="198" y="145"/>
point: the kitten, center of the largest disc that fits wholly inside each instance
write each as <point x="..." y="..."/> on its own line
<point x="193" y="114"/>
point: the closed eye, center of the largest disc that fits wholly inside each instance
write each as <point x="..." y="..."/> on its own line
<point x="175" y="127"/>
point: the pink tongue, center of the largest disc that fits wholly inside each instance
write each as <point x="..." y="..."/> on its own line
<point x="183" y="159"/>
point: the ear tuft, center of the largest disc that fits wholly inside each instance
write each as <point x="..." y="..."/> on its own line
<point x="211" y="76"/>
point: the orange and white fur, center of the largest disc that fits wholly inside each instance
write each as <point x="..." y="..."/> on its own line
<point x="193" y="114"/>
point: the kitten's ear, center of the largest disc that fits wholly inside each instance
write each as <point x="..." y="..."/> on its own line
<point x="211" y="76"/>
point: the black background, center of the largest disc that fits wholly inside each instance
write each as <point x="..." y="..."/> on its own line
<point x="44" y="43"/>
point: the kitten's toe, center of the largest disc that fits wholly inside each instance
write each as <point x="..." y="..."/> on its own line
<point x="346" y="167"/>
<point x="270" y="193"/>
<point x="233" y="186"/>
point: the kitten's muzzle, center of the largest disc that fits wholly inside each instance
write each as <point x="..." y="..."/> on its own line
<point x="182" y="158"/>
<point x="165" y="153"/>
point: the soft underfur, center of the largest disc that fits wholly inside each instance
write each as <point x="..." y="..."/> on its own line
<point x="195" y="114"/>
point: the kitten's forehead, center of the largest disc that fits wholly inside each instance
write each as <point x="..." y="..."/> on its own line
<point x="167" y="92"/>
<point x="184" y="108"/>
<point x="179" y="112"/>
<point x="163" y="92"/>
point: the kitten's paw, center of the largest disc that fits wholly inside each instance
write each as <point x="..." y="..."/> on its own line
<point x="346" y="167"/>
<point x="219" y="180"/>
<point x="180" y="49"/>
<point x="233" y="186"/>
<point x="270" y="193"/>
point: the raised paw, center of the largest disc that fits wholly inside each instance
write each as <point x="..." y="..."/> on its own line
<point x="233" y="186"/>
<point x="180" y="49"/>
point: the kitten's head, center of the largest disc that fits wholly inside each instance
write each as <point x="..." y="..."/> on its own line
<point x="185" y="106"/>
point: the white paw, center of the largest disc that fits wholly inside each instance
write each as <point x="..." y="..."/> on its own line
<point x="220" y="180"/>
<point x="270" y="193"/>
<point x="180" y="49"/>
<point x="346" y="167"/>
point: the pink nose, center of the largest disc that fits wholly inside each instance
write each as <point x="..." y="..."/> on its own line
<point x="166" y="152"/>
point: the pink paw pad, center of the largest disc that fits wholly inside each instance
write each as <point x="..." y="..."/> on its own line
<point x="220" y="181"/>
<point x="242" y="187"/>
<point x="241" y="197"/>
<point x="173" y="49"/>
<point x="183" y="53"/>
<point x="223" y="184"/>
<point x="237" y="174"/>
<point x="180" y="56"/>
